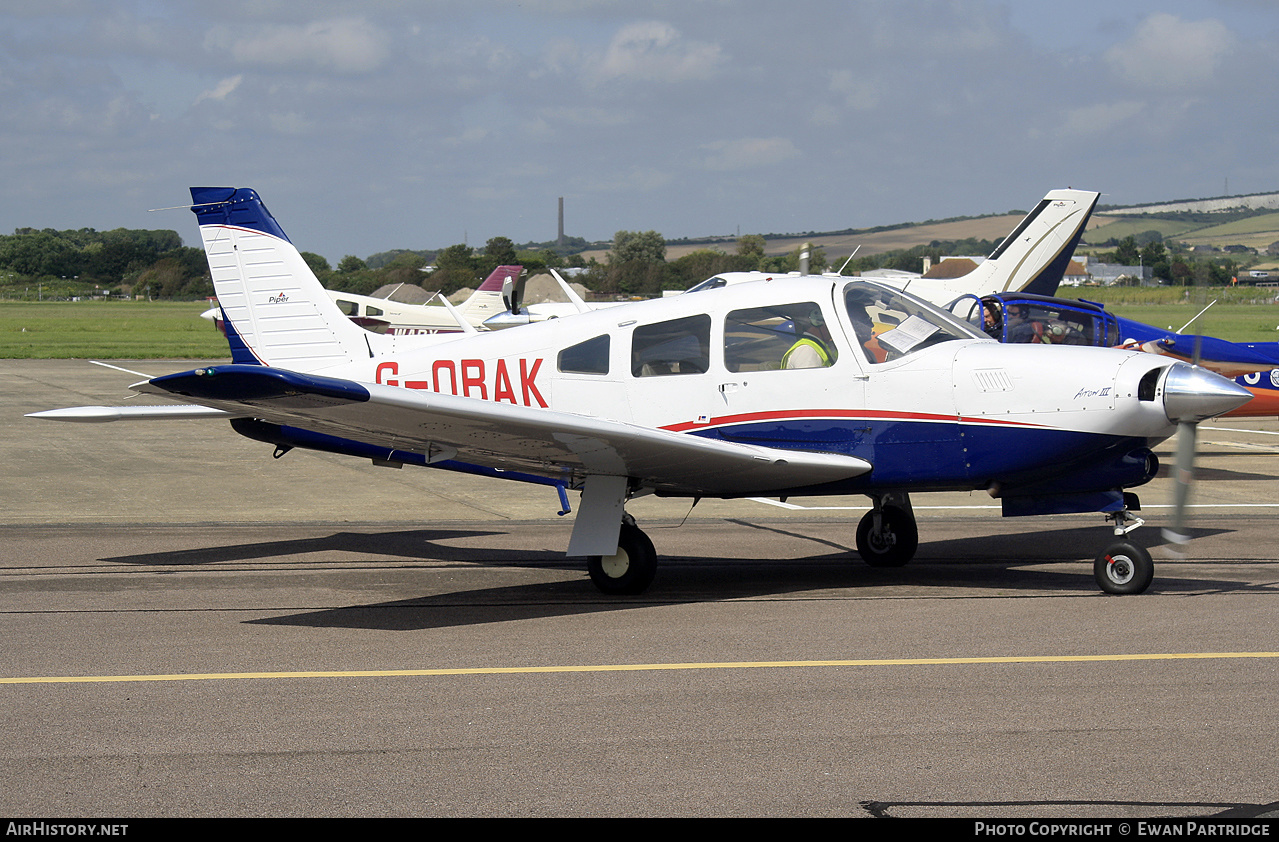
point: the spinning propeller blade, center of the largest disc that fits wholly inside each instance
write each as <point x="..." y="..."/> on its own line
<point x="1184" y="467"/>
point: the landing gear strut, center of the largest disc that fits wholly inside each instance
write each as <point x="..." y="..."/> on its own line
<point x="888" y="535"/>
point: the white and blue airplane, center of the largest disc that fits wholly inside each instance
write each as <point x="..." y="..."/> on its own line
<point x="815" y="386"/>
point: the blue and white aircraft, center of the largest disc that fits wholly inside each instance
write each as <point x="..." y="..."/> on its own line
<point x="1024" y="318"/>
<point x="760" y="389"/>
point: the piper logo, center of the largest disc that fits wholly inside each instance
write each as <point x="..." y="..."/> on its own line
<point x="277" y="299"/>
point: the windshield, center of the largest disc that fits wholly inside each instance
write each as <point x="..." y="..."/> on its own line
<point x="709" y="283"/>
<point x="889" y="324"/>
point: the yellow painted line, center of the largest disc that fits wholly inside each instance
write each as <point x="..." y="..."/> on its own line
<point x="892" y="662"/>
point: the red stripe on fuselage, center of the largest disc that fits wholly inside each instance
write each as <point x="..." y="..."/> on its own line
<point x="856" y="414"/>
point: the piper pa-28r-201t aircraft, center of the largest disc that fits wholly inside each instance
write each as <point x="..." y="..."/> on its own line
<point x="761" y="389"/>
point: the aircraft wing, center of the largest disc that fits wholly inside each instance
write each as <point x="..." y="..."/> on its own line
<point x="543" y="442"/>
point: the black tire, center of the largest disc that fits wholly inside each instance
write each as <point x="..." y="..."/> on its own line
<point x="1123" y="568"/>
<point x="631" y="570"/>
<point x="895" y="544"/>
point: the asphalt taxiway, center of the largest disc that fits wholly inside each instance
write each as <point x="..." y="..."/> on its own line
<point x="190" y="627"/>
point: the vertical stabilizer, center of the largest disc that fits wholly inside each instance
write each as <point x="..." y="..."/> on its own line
<point x="1035" y="256"/>
<point x="487" y="300"/>
<point x="275" y="309"/>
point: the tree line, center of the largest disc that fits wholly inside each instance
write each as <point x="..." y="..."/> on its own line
<point x="155" y="263"/>
<point x="109" y="262"/>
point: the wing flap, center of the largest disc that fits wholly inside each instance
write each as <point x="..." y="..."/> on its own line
<point x="504" y="436"/>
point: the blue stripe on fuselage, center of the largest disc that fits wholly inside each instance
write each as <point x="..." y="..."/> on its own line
<point x="939" y="455"/>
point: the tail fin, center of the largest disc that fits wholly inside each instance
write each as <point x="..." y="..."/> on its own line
<point x="487" y="300"/>
<point x="1035" y="256"/>
<point x="275" y="310"/>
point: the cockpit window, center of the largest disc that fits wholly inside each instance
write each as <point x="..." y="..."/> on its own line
<point x="783" y="336"/>
<point x="678" y="346"/>
<point x="1023" y="319"/>
<point x="589" y="357"/>
<point x="1036" y="322"/>
<point x="890" y="324"/>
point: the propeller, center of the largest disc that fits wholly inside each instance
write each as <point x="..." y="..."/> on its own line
<point x="1192" y="394"/>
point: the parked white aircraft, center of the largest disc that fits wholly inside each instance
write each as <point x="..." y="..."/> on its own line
<point x="381" y="315"/>
<point x="1031" y="259"/>
<point x="384" y="316"/>
<point x="693" y="396"/>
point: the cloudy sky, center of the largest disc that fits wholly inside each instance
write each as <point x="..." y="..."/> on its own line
<point x="395" y="124"/>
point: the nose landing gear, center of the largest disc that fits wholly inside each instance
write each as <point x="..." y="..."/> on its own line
<point x="1124" y="567"/>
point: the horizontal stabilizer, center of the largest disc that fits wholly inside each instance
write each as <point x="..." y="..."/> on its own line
<point x="103" y="414"/>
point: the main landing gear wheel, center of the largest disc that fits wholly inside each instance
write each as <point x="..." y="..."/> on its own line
<point x="895" y="540"/>
<point x="1123" y="568"/>
<point x="631" y="569"/>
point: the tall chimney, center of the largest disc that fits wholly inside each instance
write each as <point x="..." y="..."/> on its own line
<point x="560" y="239"/>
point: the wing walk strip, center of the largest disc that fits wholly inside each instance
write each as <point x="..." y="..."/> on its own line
<point x="891" y="662"/>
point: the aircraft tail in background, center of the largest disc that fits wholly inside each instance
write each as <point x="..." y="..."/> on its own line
<point x="486" y="301"/>
<point x="1034" y="257"/>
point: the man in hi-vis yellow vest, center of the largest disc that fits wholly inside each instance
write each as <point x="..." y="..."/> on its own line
<point x="813" y="348"/>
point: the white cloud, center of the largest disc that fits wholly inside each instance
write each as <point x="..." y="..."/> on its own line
<point x="345" y="45"/>
<point x="221" y="90"/>
<point x="1168" y="53"/>
<point x="749" y="153"/>
<point x="657" y="52"/>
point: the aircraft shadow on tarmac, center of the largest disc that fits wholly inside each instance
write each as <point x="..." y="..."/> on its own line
<point x="996" y="566"/>
<point x="410" y="544"/>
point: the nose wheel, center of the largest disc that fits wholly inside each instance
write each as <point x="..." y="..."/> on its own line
<point x="1123" y="568"/>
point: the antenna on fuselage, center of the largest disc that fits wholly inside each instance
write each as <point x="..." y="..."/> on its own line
<point x="1198" y="335"/>
<point x="849" y="260"/>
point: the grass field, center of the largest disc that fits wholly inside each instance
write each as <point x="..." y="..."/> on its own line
<point x="1241" y="314"/>
<point x="108" y="330"/>
<point x="168" y="329"/>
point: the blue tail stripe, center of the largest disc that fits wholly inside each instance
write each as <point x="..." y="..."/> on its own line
<point x="240" y="207"/>
<point x="241" y="353"/>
